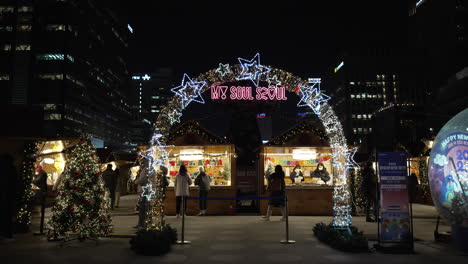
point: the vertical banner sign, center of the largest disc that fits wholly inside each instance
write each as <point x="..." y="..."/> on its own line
<point x="395" y="224"/>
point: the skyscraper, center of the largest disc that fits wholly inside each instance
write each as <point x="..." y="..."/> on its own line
<point x="66" y="61"/>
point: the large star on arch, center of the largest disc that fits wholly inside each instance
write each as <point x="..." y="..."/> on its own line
<point x="174" y="116"/>
<point x="253" y="70"/>
<point x="223" y="69"/>
<point x="189" y="91"/>
<point x="350" y="163"/>
<point x="312" y="96"/>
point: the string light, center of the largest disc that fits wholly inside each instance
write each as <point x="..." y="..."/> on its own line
<point x="311" y="96"/>
<point x="274" y="82"/>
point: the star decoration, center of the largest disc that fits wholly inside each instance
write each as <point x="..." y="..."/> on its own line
<point x="174" y="116"/>
<point x="223" y="69"/>
<point x="274" y="82"/>
<point x="312" y="97"/>
<point x="350" y="163"/>
<point x="148" y="191"/>
<point x="189" y="91"/>
<point x="146" y="77"/>
<point x="253" y="70"/>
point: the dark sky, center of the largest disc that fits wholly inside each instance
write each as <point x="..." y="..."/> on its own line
<point x="303" y="37"/>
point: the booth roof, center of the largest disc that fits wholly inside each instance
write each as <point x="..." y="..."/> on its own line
<point x="192" y="127"/>
<point x="108" y="155"/>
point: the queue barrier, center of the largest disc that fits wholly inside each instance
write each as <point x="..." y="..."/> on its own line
<point x="285" y="198"/>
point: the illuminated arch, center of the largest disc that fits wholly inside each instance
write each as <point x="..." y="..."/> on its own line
<point x="190" y="90"/>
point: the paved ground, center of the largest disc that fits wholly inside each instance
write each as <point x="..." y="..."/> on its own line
<point x="229" y="239"/>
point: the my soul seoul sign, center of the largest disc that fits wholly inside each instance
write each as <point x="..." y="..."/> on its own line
<point x="192" y="89"/>
<point x="222" y="92"/>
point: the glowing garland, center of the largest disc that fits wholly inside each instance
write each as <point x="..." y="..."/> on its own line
<point x="311" y="96"/>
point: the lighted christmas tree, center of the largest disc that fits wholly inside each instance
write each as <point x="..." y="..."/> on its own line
<point x="26" y="174"/>
<point x="269" y="170"/>
<point x="81" y="206"/>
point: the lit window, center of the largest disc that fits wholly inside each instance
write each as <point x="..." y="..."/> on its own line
<point x="23" y="47"/>
<point x="358" y="96"/>
<point x="6" y="28"/>
<point x="370" y="129"/>
<point x="53" y="116"/>
<point x="51" y="76"/>
<point x="155" y="97"/>
<point x="354" y="130"/>
<point x="153" y="111"/>
<point x="4" y="77"/>
<point x="352" y="95"/>
<point x="359" y="116"/>
<point x="359" y="129"/>
<point x="365" y="130"/>
<point x="353" y="116"/>
<point x="49" y="107"/>
<point x="50" y="57"/>
<point x="55" y="27"/>
<point x="7" y="9"/>
<point x="135" y="77"/>
<point x="352" y="83"/>
<point x="24" y="27"/>
<point x="25" y="9"/>
<point x="7" y="47"/>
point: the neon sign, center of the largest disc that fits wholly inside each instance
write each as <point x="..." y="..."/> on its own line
<point x="223" y="92"/>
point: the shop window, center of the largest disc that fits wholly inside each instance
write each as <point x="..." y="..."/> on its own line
<point x="23" y="47"/>
<point x="4" y="77"/>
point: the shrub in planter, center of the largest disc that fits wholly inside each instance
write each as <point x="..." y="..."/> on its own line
<point x="154" y="242"/>
<point x="351" y="240"/>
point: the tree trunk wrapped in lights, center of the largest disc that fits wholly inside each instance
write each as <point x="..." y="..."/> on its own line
<point x="81" y="206"/>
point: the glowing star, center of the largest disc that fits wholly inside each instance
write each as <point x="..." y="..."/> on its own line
<point x="253" y="70"/>
<point x="148" y="191"/>
<point x="146" y="77"/>
<point x="223" y="69"/>
<point x="312" y="96"/>
<point x="274" y="82"/>
<point x="189" y="91"/>
<point x="174" y="116"/>
<point x="350" y="163"/>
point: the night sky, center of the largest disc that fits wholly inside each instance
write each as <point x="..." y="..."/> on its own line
<point x="301" y="37"/>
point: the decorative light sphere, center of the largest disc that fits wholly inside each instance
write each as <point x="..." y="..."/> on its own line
<point x="448" y="166"/>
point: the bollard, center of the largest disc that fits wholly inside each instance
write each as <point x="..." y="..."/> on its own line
<point x="287" y="241"/>
<point x="182" y="240"/>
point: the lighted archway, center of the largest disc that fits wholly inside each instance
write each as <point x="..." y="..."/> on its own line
<point x="191" y="90"/>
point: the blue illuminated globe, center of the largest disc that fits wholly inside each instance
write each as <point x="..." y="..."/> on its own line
<point x="448" y="166"/>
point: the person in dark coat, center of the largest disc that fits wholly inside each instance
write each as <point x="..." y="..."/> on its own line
<point x="9" y="195"/>
<point x="296" y="173"/>
<point x="110" y="182"/>
<point x="203" y="181"/>
<point x="413" y="187"/>
<point x="276" y="188"/>
<point x="40" y="180"/>
<point x="369" y="190"/>
<point x="321" y="172"/>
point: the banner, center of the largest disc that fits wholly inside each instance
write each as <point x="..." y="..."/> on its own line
<point x="395" y="223"/>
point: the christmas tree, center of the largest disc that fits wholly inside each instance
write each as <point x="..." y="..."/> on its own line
<point x="81" y="206"/>
<point x="269" y="170"/>
<point x="26" y="175"/>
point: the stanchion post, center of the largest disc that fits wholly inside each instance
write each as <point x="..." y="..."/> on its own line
<point x="287" y="241"/>
<point x="182" y="241"/>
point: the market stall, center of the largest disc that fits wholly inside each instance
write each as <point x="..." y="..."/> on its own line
<point x="195" y="146"/>
<point x="300" y="151"/>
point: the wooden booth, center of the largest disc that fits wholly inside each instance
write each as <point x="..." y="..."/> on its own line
<point x="304" y="146"/>
<point x="195" y="146"/>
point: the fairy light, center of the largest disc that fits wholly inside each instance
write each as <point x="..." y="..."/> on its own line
<point x="310" y="95"/>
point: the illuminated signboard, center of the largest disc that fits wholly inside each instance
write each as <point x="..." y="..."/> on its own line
<point x="223" y="92"/>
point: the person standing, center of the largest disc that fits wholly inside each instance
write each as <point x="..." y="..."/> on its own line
<point x="276" y="187"/>
<point x="369" y="190"/>
<point x="297" y="173"/>
<point x="9" y="195"/>
<point x="182" y="183"/>
<point x="142" y="181"/>
<point x="110" y="182"/>
<point x="413" y="187"/>
<point x="203" y="181"/>
<point x="118" y="187"/>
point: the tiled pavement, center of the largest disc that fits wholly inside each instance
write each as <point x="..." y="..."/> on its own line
<point x="229" y="239"/>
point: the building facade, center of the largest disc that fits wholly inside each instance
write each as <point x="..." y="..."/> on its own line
<point x="66" y="62"/>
